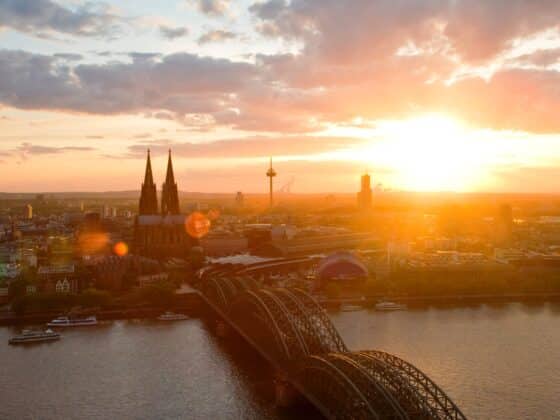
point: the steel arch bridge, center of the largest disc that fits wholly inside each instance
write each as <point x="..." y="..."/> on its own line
<point x="291" y="330"/>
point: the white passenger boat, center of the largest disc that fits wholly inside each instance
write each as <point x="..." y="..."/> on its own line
<point x="389" y="306"/>
<point x="171" y="316"/>
<point x="28" y="336"/>
<point x="64" y="321"/>
<point x="351" y="308"/>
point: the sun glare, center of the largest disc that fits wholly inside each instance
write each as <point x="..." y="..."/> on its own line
<point x="427" y="153"/>
<point x="431" y="153"/>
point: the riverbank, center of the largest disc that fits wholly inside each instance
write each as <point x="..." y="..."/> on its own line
<point x="190" y="304"/>
<point x="436" y="299"/>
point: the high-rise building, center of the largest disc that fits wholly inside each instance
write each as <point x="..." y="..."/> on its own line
<point x="29" y="212"/>
<point x="169" y="192"/>
<point x="504" y="224"/>
<point x="239" y="199"/>
<point x="365" y="196"/>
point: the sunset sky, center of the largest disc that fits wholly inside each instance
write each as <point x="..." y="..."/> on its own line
<point x="426" y="95"/>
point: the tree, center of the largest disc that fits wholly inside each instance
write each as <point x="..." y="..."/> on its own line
<point x="17" y="288"/>
<point x="94" y="297"/>
<point x="158" y="294"/>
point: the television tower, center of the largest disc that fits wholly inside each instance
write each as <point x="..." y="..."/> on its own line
<point x="271" y="173"/>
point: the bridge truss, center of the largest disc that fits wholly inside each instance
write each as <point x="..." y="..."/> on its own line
<point x="289" y="327"/>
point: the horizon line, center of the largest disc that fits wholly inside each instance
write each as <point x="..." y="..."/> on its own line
<point x="289" y="193"/>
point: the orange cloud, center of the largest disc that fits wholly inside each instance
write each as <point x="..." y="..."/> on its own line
<point x="257" y="146"/>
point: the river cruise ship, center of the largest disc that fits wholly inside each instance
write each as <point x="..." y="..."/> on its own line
<point x="64" y="321"/>
<point x="28" y="336"/>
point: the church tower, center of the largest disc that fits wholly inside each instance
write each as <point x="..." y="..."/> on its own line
<point x="148" y="197"/>
<point x="169" y="193"/>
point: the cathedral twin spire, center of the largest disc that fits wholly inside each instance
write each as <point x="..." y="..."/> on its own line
<point x="169" y="193"/>
<point x="148" y="197"/>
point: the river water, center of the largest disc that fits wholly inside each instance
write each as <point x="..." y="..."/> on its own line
<point x="496" y="362"/>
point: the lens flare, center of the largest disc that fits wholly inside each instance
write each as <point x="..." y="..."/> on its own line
<point x="121" y="249"/>
<point x="90" y="243"/>
<point x="197" y="225"/>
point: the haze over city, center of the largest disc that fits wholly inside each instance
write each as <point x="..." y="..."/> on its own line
<point x="426" y="95"/>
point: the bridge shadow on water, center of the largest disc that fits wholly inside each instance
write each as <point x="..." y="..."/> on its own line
<point x="257" y="376"/>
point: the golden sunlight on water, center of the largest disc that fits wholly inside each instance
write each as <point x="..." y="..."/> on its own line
<point x="495" y="361"/>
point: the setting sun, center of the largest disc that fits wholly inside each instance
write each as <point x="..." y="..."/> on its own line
<point x="429" y="153"/>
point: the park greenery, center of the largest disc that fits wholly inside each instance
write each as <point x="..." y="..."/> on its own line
<point x="161" y="294"/>
<point x="46" y="302"/>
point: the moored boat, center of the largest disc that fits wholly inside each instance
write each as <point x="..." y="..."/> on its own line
<point x="351" y="308"/>
<point x="389" y="306"/>
<point x="28" y="336"/>
<point x="171" y="316"/>
<point x="64" y="321"/>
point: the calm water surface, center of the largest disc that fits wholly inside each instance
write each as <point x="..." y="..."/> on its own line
<point x="496" y="362"/>
<point x="132" y="370"/>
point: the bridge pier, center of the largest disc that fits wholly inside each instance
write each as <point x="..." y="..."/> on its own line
<point x="286" y="395"/>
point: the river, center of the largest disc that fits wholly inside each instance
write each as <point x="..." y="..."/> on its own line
<point x="495" y="361"/>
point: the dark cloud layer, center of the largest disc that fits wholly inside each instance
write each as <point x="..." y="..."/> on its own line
<point x="173" y="33"/>
<point x="180" y="83"/>
<point x="45" y="16"/>
<point x="377" y="59"/>
<point x="474" y="29"/>
<point x="213" y="7"/>
<point x="216" y="36"/>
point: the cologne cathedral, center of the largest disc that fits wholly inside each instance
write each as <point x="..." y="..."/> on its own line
<point x="159" y="232"/>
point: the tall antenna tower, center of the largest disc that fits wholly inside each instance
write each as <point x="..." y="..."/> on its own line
<point x="271" y="173"/>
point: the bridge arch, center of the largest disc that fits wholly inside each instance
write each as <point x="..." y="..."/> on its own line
<point x="428" y="391"/>
<point x="295" y="333"/>
<point x="222" y="290"/>
<point x="333" y="391"/>
<point x="311" y="320"/>
<point x="252" y="314"/>
<point x="213" y="290"/>
<point x="393" y="388"/>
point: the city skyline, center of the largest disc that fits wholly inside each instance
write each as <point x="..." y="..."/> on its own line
<point x="442" y="96"/>
<point x="280" y="209"/>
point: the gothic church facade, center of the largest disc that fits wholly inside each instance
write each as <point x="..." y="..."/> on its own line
<point x="159" y="231"/>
